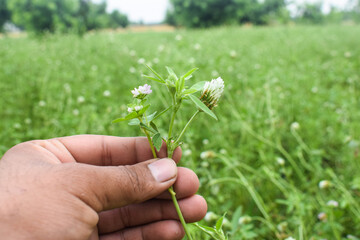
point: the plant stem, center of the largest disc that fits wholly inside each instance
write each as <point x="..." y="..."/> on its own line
<point x="178" y="210"/>
<point x="175" y="108"/>
<point x="149" y="140"/>
<point x="186" y="126"/>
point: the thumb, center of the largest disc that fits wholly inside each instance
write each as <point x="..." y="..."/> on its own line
<point x="111" y="187"/>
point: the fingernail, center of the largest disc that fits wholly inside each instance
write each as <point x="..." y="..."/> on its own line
<point x="163" y="170"/>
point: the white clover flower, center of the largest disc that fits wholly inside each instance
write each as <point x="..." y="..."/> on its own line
<point x="28" y="121"/>
<point x="223" y="151"/>
<point x="233" y="53"/>
<point x="187" y="152"/>
<point x="295" y="126"/>
<point x="332" y="203"/>
<point x="138" y="108"/>
<point x="130" y="110"/>
<point x="324" y="184"/>
<point x="207" y="154"/>
<point x="322" y="216"/>
<point x="205" y="141"/>
<point x="17" y="125"/>
<point x="141" y="61"/>
<point x="282" y="226"/>
<point x="212" y="92"/>
<point x="280" y="161"/>
<point x="210" y="216"/>
<point x="42" y="103"/>
<point x="244" y="220"/>
<point x="76" y="112"/>
<point x="107" y="93"/>
<point x="80" y="99"/>
<point x="290" y="238"/>
<point x="204" y="164"/>
<point x="142" y="91"/>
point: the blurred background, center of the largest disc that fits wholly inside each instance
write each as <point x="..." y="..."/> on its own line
<point x="282" y="161"/>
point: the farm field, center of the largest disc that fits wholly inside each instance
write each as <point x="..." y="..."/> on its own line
<point x="283" y="159"/>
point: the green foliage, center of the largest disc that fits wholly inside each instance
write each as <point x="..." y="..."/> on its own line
<point x="5" y="14"/>
<point x="255" y="156"/>
<point x="193" y="13"/>
<point x="118" y="19"/>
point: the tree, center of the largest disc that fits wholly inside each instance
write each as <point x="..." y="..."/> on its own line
<point x="312" y="13"/>
<point x="5" y="14"/>
<point x="206" y="13"/>
<point x="118" y="19"/>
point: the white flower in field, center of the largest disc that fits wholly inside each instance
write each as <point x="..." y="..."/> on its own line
<point x="290" y="238"/>
<point x="210" y="216"/>
<point x="244" y="220"/>
<point x="349" y="236"/>
<point x="28" y="121"/>
<point x="295" y="126"/>
<point x="204" y="164"/>
<point x="187" y="152"/>
<point x="178" y="37"/>
<point x="324" y="184"/>
<point x="347" y="54"/>
<point x="80" y="99"/>
<point x="280" y="161"/>
<point x="223" y="151"/>
<point x="212" y="92"/>
<point x="282" y="226"/>
<point x="197" y="46"/>
<point x="17" y="125"/>
<point x="138" y="108"/>
<point x="233" y="53"/>
<point x="76" y="112"/>
<point x="214" y="73"/>
<point x="322" y="216"/>
<point x="132" y="53"/>
<point x="207" y="154"/>
<point x="332" y="203"/>
<point x="42" y="103"/>
<point x="142" y="91"/>
<point x="135" y="108"/>
<point x="132" y="70"/>
<point x="205" y="141"/>
<point x="107" y="93"/>
<point x="130" y="110"/>
<point x="141" y="61"/>
<point x="161" y="48"/>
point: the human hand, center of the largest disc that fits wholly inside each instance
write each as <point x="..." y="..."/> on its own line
<point x="94" y="187"/>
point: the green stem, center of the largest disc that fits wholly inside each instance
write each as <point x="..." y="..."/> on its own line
<point x="149" y="140"/>
<point x="178" y="210"/>
<point x="186" y="126"/>
<point x="175" y="108"/>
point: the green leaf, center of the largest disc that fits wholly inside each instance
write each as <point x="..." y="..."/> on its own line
<point x="146" y="128"/>
<point x="157" y="141"/>
<point x="202" y="106"/>
<point x="198" y="86"/>
<point x="156" y="74"/>
<point x="153" y="125"/>
<point x="219" y="223"/>
<point x="154" y="79"/>
<point x="143" y="110"/>
<point x="157" y="116"/>
<point x="150" y="117"/>
<point x="128" y="117"/>
<point x="235" y="218"/>
<point x="134" y="122"/>
<point x="189" y="91"/>
<point x="210" y="231"/>
<point x="187" y="75"/>
<point x="170" y="71"/>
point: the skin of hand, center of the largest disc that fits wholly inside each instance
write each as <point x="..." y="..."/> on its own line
<point x="94" y="187"/>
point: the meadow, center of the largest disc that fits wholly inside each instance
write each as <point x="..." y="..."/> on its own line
<point x="282" y="161"/>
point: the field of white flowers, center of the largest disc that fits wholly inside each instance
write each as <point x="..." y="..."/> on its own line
<point x="282" y="161"/>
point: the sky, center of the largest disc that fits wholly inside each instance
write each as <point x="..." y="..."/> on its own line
<point x="153" y="11"/>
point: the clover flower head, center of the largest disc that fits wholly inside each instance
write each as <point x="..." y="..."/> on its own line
<point x="135" y="108"/>
<point x="322" y="216"/>
<point x="244" y="220"/>
<point x="212" y="92"/>
<point x="332" y="203"/>
<point x="324" y="184"/>
<point x="142" y="91"/>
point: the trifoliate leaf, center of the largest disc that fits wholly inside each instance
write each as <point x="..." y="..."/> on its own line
<point x="202" y="106"/>
<point x="157" y="141"/>
<point x="134" y="122"/>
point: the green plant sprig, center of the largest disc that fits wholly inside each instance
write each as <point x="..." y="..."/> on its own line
<point x="178" y="90"/>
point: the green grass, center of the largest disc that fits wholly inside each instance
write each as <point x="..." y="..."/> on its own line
<point x="274" y="77"/>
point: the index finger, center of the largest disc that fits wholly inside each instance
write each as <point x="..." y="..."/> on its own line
<point x="112" y="151"/>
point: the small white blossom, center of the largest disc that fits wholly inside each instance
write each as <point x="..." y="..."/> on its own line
<point x="204" y="164"/>
<point x="130" y="110"/>
<point x="205" y="141"/>
<point x="138" y="108"/>
<point x="106" y="93"/>
<point x="197" y="46"/>
<point x="76" y="112"/>
<point x="282" y="226"/>
<point x="347" y="54"/>
<point x="295" y="126"/>
<point x="142" y="91"/>
<point x="17" y="125"/>
<point x="244" y="220"/>
<point x="42" y="103"/>
<point x="322" y="216"/>
<point x="233" y="53"/>
<point x="207" y="154"/>
<point x="187" y="152"/>
<point x="141" y="61"/>
<point x="161" y="48"/>
<point x="212" y="92"/>
<point x="80" y="99"/>
<point x="332" y="203"/>
<point x="290" y="238"/>
<point x="324" y="184"/>
<point x="210" y="216"/>
<point x="28" y="121"/>
<point x="280" y="161"/>
<point x="223" y="151"/>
